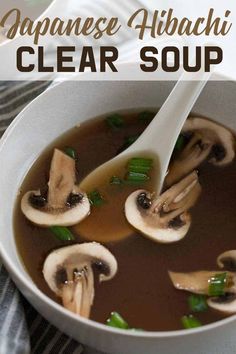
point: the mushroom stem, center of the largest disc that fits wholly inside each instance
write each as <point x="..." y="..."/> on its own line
<point x="71" y="296"/>
<point x="191" y="157"/>
<point x="78" y="295"/>
<point x="88" y="294"/>
<point x="178" y="198"/>
<point x="61" y="179"/>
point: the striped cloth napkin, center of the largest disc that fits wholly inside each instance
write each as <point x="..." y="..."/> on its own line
<point x="23" y="330"/>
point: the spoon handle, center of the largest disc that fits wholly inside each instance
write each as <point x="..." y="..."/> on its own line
<point x="160" y="136"/>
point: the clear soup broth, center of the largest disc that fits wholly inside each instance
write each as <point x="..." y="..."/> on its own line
<point x="141" y="291"/>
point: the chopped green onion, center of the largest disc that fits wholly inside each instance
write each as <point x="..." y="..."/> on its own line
<point x="116" y="181"/>
<point x="140" y="165"/>
<point x="62" y="233"/>
<point x="190" y="322"/>
<point x="141" y="161"/>
<point x="115" y="121"/>
<point x="115" y="320"/>
<point x="70" y="152"/>
<point x="95" y="198"/>
<point x="146" y="116"/>
<point x="137" y="170"/>
<point x="136" y="177"/>
<point x="197" y="303"/>
<point x="179" y="143"/>
<point x="217" y="284"/>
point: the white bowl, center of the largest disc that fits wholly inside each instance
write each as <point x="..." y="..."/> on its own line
<point x="54" y="112"/>
<point x="33" y="12"/>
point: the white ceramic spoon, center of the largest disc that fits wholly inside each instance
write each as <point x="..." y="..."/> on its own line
<point x="159" y="138"/>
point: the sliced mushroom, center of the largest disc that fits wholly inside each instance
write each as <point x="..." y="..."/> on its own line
<point x="227" y="260"/>
<point x="225" y="303"/>
<point x="206" y="140"/>
<point x="69" y="272"/>
<point x="165" y="218"/>
<point x="198" y="282"/>
<point x="65" y="204"/>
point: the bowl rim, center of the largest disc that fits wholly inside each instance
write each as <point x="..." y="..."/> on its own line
<point x="33" y="290"/>
<point x="40" y="16"/>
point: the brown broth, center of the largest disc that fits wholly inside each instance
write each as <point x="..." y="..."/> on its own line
<point x="114" y="199"/>
<point x="141" y="291"/>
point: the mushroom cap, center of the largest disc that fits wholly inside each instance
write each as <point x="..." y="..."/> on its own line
<point x="227" y="260"/>
<point x="214" y="131"/>
<point x="225" y="303"/>
<point x="65" y="204"/>
<point x="166" y="218"/>
<point x="78" y="256"/>
<point x="136" y="217"/>
<point x="62" y="217"/>
<point x="207" y="141"/>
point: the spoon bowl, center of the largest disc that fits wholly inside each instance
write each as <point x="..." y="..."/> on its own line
<point x="159" y="138"/>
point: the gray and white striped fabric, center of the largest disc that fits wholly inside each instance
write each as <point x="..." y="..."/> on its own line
<point x="14" y="96"/>
<point x="23" y="330"/>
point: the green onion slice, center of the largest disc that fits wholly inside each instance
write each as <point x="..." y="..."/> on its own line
<point x="115" y="121"/>
<point x="137" y="170"/>
<point x="62" y="233"/>
<point x="190" y="322"/>
<point x="217" y="284"/>
<point x="140" y="165"/>
<point x="115" y="320"/>
<point x="70" y="152"/>
<point x="116" y="181"/>
<point x="95" y="198"/>
<point x="197" y="303"/>
<point x="136" y="177"/>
